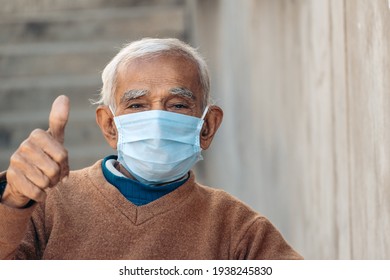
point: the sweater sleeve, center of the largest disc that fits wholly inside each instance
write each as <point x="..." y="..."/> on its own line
<point x="18" y="232"/>
<point x="14" y="226"/>
<point x="263" y="241"/>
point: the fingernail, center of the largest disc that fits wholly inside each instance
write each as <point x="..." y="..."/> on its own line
<point x="64" y="180"/>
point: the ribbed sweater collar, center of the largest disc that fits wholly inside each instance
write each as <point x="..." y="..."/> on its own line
<point x="136" y="192"/>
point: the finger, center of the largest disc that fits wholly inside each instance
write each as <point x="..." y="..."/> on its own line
<point x="53" y="149"/>
<point x="60" y="155"/>
<point x="30" y="171"/>
<point x="35" y="176"/>
<point x="28" y="190"/>
<point x="58" y="117"/>
<point x="39" y="168"/>
<point x="45" y="142"/>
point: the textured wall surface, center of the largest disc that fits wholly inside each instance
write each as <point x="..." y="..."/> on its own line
<point x="305" y="86"/>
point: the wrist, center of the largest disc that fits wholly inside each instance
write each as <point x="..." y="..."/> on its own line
<point x="9" y="200"/>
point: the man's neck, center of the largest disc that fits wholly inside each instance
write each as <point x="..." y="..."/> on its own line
<point x="123" y="170"/>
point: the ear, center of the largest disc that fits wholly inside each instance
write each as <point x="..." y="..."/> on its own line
<point x="105" y="120"/>
<point x="212" y="121"/>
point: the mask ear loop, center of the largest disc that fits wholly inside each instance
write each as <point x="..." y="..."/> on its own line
<point x="205" y="112"/>
<point x="112" y="111"/>
<point x="200" y="125"/>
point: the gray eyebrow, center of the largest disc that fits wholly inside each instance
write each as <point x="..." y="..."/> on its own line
<point x="133" y="94"/>
<point x="182" y="92"/>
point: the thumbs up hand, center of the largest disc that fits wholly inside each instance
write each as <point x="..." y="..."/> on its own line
<point x="40" y="162"/>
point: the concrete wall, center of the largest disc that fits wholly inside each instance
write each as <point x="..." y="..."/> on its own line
<point x="305" y="86"/>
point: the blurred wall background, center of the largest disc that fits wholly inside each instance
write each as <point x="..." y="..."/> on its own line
<point x="304" y="85"/>
<point x="53" y="47"/>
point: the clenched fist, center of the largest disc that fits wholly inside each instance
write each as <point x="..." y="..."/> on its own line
<point x="40" y="162"/>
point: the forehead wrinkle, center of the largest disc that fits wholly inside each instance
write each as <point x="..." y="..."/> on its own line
<point x="133" y="94"/>
<point x="182" y="91"/>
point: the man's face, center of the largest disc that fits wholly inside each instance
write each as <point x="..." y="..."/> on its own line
<point x="166" y="82"/>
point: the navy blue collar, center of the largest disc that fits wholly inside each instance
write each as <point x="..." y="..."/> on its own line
<point x="136" y="192"/>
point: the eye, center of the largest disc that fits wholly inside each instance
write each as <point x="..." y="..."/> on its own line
<point x="180" y="106"/>
<point x="135" y="106"/>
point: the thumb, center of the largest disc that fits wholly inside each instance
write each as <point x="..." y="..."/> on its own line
<point x="58" y="117"/>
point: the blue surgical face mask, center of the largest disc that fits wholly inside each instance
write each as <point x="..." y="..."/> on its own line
<point x="158" y="146"/>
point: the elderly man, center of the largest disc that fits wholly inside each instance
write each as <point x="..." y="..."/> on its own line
<point x="143" y="203"/>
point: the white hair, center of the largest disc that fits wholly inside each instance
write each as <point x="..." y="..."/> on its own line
<point x="145" y="48"/>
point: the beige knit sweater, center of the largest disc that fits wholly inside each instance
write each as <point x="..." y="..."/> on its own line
<point x="87" y="218"/>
